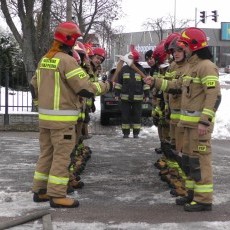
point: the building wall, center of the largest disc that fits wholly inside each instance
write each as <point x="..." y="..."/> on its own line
<point x="147" y="40"/>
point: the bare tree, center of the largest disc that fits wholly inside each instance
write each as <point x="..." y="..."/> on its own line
<point x="69" y="13"/>
<point x="38" y="18"/>
<point x="34" y="18"/>
<point x="164" y="25"/>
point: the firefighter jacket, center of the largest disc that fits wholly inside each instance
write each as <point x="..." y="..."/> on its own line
<point x="158" y="99"/>
<point x="130" y="85"/>
<point x="200" y="92"/>
<point x="56" y="84"/>
<point x="175" y="71"/>
<point x="93" y="76"/>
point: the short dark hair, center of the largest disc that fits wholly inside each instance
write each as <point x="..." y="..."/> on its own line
<point x="148" y="54"/>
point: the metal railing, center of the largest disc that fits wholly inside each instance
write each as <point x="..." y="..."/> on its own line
<point x="15" y="96"/>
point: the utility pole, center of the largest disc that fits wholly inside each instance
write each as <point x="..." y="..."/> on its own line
<point x="174" y="14"/>
<point x="69" y="10"/>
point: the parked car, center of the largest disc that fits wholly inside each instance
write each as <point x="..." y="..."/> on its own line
<point x="227" y="69"/>
<point x="110" y="107"/>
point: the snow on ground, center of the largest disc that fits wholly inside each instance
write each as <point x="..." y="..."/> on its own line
<point x="22" y="200"/>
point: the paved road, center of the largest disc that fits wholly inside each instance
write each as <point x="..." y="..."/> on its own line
<point x="121" y="183"/>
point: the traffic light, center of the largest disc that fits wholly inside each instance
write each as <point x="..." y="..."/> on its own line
<point x="203" y="16"/>
<point x="214" y="15"/>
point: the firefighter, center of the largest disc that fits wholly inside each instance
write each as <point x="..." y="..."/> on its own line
<point x="175" y="177"/>
<point x="201" y="97"/>
<point x="156" y="59"/>
<point x="131" y="90"/>
<point x="56" y="85"/>
<point x="97" y="56"/>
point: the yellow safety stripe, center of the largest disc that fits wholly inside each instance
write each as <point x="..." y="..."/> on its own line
<point x="194" y="79"/>
<point x="136" y="126"/>
<point x="198" y="188"/>
<point x="57" y="91"/>
<point x="189" y="118"/>
<point x="146" y="87"/>
<point x="137" y="77"/>
<point x="174" y="116"/>
<point x="58" y="180"/>
<point x="40" y="176"/>
<point x="89" y="102"/>
<point x="209" y="81"/>
<point x="189" y="184"/>
<point x="158" y="110"/>
<point x="168" y="75"/>
<point x="38" y="78"/>
<point x="79" y="72"/>
<point x="138" y="97"/>
<point x="47" y="63"/>
<point x="57" y="118"/>
<point x="126" y="76"/>
<point x="118" y="86"/>
<point x="164" y="85"/>
<point x="124" y="96"/>
<point x="208" y="112"/>
<point x="98" y="88"/>
<point x="125" y="126"/>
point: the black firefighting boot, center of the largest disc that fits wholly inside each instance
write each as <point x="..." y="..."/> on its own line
<point x="70" y="190"/>
<point x="197" y="207"/>
<point x="41" y="196"/>
<point x="63" y="202"/>
<point x="76" y="184"/>
<point x="158" y="150"/>
<point x="161" y="164"/>
<point x="179" y="192"/>
<point x="186" y="199"/>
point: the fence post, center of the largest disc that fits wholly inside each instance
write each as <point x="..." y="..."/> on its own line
<point x="6" y="115"/>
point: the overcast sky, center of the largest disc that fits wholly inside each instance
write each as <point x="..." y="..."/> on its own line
<point x="136" y="12"/>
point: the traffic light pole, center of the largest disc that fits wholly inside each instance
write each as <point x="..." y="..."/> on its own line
<point x="204" y="16"/>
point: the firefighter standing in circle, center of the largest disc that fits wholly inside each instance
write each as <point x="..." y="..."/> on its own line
<point x="56" y="85"/>
<point x="201" y="97"/>
<point x="131" y="89"/>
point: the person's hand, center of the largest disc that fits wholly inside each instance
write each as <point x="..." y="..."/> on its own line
<point x="116" y="98"/>
<point x="202" y="129"/>
<point x="146" y="99"/>
<point x="149" y="80"/>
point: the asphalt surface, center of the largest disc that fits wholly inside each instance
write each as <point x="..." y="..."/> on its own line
<point x="121" y="182"/>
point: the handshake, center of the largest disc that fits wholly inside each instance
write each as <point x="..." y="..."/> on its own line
<point x="128" y="58"/>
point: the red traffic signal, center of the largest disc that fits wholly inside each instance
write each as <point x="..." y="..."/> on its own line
<point x="203" y="16"/>
<point x="214" y="15"/>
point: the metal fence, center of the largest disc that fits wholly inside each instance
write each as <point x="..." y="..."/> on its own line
<point x="15" y="97"/>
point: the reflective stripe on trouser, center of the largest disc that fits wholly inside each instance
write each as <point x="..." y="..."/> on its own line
<point x="52" y="171"/>
<point x="131" y="114"/>
<point x="198" y="148"/>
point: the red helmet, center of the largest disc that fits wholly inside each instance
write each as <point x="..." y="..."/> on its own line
<point x="159" y="53"/>
<point x="67" y="33"/>
<point x="79" y="47"/>
<point x="195" y="38"/>
<point x="99" y="51"/>
<point x="174" y="45"/>
<point x="169" y="39"/>
<point x="89" y="49"/>
<point x="136" y="55"/>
